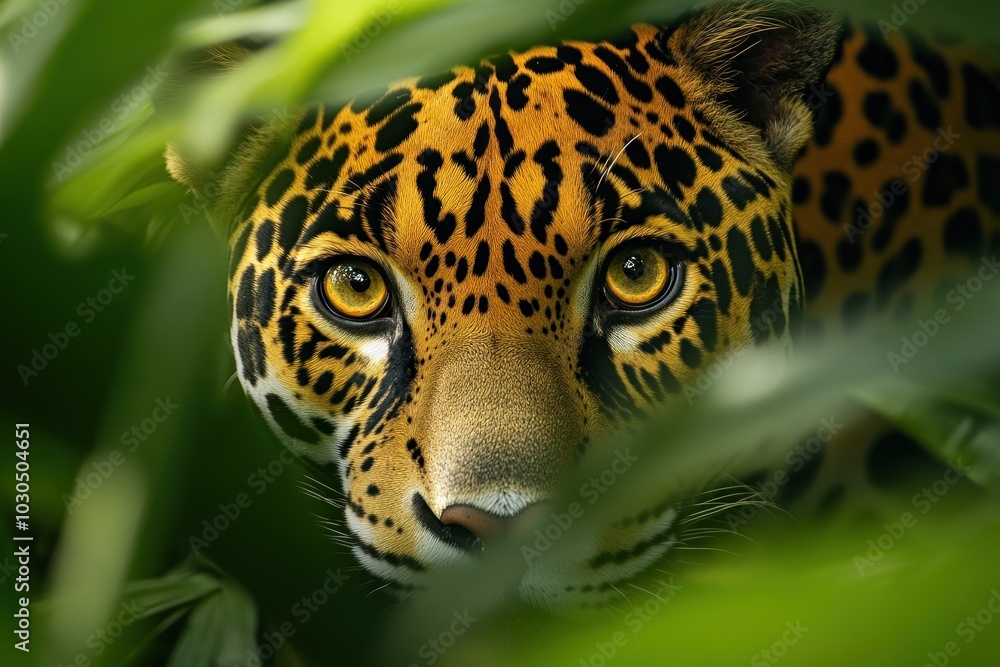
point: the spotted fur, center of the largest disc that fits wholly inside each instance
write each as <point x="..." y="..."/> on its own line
<point x="491" y="197"/>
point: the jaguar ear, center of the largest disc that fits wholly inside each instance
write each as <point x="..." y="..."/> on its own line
<point x="760" y="62"/>
<point x="222" y="189"/>
<point x="187" y="71"/>
<point x="226" y="191"/>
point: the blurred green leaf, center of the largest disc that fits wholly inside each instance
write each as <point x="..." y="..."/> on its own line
<point x="142" y="196"/>
<point x="220" y="630"/>
<point x="958" y="423"/>
<point x="155" y="596"/>
<point x="237" y="634"/>
<point x="267" y="20"/>
<point x="200" y="641"/>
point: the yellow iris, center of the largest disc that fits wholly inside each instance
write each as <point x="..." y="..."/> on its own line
<point x="637" y="277"/>
<point x="355" y="288"/>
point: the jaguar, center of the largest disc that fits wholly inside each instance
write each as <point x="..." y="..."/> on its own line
<point x="449" y="292"/>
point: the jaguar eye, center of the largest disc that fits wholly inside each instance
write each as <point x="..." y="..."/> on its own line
<point x="638" y="276"/>
<point x="355" y="289"/>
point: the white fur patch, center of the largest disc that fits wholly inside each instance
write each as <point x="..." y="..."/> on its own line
<point x="376" y="350"/>
<point x="622" y="339"/>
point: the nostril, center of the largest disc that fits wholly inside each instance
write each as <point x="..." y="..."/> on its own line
<point x="454" y="534"/>
<point x="482" y="524"/>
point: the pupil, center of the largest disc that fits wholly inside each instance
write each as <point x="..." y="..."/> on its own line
<point x="633" y="267"/>
<point x="359" y="280"/>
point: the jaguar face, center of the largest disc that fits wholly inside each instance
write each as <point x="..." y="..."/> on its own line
<point x="449" y="294"/>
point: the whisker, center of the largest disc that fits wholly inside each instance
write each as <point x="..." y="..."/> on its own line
<point x="634" y="192"/>
<point x="376" y="590"/>
<point x="323" y="484"/>
<point x="650" y="593"/>
<point x="615" y="160"/>
<point x="724" y="551"/>
<point x="229" y="382"/>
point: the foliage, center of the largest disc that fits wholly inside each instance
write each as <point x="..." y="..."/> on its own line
<point x="147" y="532"/>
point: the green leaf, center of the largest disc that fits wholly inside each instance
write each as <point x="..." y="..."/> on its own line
<point x="150" y="193"/>
<point x="221" y="630"/>
<point x="239" y="626"/>
<point x="154" y="596"/>
<point x="199" y="642"/>
<point x="959" y="423"/>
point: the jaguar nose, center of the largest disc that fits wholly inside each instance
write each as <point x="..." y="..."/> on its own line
<point x="469" y="528"/>
<point x="483" y="525"/>
<point x="488" y="527"/>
